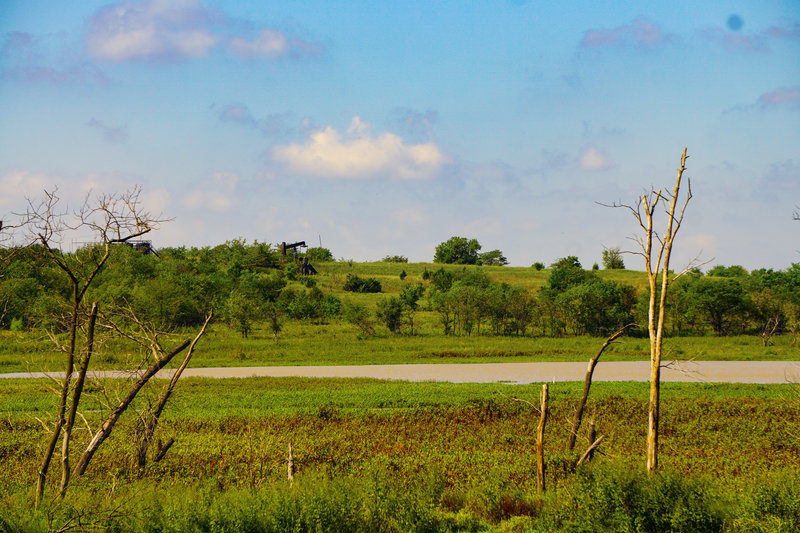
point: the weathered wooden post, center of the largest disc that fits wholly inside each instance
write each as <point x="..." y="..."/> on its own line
<point x="540" y="441"/>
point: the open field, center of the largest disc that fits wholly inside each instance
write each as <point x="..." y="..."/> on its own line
<point x="303" y="343"/>
<point x="397" y="456"/>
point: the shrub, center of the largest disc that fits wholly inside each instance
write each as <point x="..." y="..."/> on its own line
<point x="355" y="283"/>
<point x="618" y="499"/>
<point x="395" y="259"/>
<point x="331" y="306"/>
<point x="390" y="312"/>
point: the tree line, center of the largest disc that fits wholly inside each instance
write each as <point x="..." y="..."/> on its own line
<point x="249" y="282"/>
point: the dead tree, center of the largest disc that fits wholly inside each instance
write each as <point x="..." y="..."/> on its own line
<point x="111" y="219"/>
<point x="656" y="248"/>
<point x="152" y="416"/>
<point x="587" y="383"/>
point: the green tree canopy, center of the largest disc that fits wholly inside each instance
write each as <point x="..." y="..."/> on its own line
<point x="492" y="258"/>
<point x="319" y="255"/>
<point x="458" y="250"/>
<point x="612" y="259"/>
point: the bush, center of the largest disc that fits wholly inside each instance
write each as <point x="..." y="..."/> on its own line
<point x="355" y="283"/>
<point x="395" y="259"/>
<point x="538" y="265"/>
<point x="390" y="312"/>
<point x="331" y="306"/>
<point x="623" y="500"/>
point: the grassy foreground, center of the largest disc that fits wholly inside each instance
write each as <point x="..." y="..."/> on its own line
<point x="393" y="456"/>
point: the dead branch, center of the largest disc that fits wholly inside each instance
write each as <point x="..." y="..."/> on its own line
<point x="589" y="451"/>
<point x="108" y="424"/>
<point x="587" y="383"/>
<point x="151" y="421"/>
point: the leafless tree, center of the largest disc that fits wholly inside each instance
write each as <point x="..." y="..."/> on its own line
<point x="656" y="249"/>
<point x="108" y="220"/>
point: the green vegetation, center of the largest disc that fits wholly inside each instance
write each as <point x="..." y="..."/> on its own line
<point x="455" y="313"/>
<point x="393" y="456"/>
<point x="612" y="258"/>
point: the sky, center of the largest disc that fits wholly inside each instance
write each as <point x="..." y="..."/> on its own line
<point x="385" y="128"/>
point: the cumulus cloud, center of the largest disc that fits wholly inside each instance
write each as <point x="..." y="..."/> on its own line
<point x="593" y="159"/>
<point x="217" y="193"/>
<point x="358" y="154"/>
<point x="155" y="30"/>
<point x="115" y="135"/>
<point x="177" y="30"/>
<point x="640" y="33"/>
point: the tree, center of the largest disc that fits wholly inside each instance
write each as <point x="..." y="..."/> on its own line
<point x="492" y="258"/>
<point x="569" y="261"/>
<point x="319" y="255"/>
<point x="390" y="312"/>
<point x="458" y="250"/>
<point x="719" y="301"/>
<point x="733" y="271"/>
<point x="656" y="249"/>
<point x="612" y="259"/>
<point x="113" y="220"/>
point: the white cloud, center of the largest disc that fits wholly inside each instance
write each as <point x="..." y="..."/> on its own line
<point x="20" y="184"/>
<point x="218" y="193"/>
<point x="358" y="154"/>
<point x="594" y="159"/>
<point x="177" y="30"/>
<point x="269" y="43"/>
<point x="156" y="30"/>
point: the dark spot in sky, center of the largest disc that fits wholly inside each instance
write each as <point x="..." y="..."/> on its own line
<point x="735" y="22"/>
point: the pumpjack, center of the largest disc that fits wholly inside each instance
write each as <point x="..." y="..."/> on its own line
<point x="306" y="268"/>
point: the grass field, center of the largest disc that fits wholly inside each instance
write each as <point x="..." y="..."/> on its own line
<point x="304" y="343"/>
<point x="393" y="456"/>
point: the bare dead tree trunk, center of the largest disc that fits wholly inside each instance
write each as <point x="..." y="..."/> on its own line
<point x="587" y="383"/>
<point x="113" y="219"/>
<point x="657" y="257"/>
<point x="108" y="424"/>
<point x="76" y="398"/>
<point x="540" y="485"/>
<point x="151" y="421"/>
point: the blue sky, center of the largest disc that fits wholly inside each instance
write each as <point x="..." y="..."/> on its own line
<point x="384" y="128"/>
